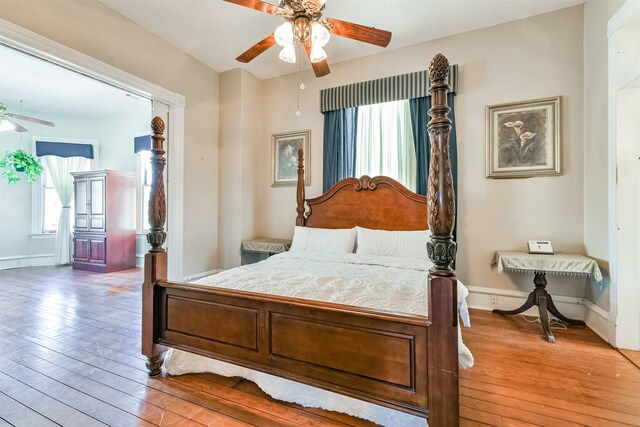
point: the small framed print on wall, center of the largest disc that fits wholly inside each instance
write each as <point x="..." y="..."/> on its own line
<point x="523" y="139"/>
<point x="285" y="157"/>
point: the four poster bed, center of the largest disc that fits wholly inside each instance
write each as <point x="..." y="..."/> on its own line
<point x="401" y="361"/>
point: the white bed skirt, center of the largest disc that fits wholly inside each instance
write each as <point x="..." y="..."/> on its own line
<point x="179" y="362"/>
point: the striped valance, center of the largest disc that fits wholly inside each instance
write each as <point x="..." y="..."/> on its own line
<point x="395" y="88"/>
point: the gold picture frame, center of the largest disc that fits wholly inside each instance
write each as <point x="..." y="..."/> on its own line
<point x="284" y="158"/>
<point x="523" y="139"/>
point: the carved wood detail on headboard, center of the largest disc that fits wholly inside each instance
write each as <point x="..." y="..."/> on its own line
<point x="380" y="202"/>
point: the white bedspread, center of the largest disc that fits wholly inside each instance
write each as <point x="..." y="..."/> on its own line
<point x="382" y="283"/>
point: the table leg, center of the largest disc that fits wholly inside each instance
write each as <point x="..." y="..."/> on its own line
<point x="554" y="310"/>
<point x="530" y="302"/>
<point x="544" y="317"/>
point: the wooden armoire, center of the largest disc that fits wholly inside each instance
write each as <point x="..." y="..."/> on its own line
<point x="104" y="232"/>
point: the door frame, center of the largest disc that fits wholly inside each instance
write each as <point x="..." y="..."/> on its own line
<point x="624" y="255"/>
<point x="16" y="37"/>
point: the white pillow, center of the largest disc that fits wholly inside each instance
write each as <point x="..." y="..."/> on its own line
<point x="406" y="244"/>
<point x="336" y="241"/>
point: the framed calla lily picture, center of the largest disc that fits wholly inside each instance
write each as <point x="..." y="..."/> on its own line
<point x="523" y="139"/>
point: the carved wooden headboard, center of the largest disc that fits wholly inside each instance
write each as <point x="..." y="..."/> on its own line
<point x="380" y="203"/>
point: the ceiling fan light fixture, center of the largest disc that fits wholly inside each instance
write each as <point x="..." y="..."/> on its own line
<point x="288" y="54"/>
<point x="284" y="34"/>
<point x="6" y="125"/>
<point x="317" y="54"/>
<point x="319" y="34"/>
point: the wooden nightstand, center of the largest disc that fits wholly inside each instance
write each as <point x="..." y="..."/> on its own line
<point x="259" y="249"/>
<point x="540" y="266"/>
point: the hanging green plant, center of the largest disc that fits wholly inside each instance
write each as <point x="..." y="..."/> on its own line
<point x="19" y="161"/>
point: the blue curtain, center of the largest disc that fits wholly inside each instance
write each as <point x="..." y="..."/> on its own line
<point x="419" y="120"/>
<point x="453" y="147"/>
<point x="339" y="145"/>
<point x="141" y="143"/>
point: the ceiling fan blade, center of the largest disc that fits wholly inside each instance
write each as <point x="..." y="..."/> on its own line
<point x="319" y="68"/>
<point x="18" y="128"/>
<point x="257" y="49"/>
<point x="258" y="5"/>
<point x="360" y="32"/>
<point x="30" y="119"/>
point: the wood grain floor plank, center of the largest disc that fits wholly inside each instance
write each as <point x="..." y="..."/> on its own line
<point x="70" y="396"/>
<point x="139" y="408"/>
<point x="122" y="382"/>
<point x="632" y="356"/>
<point x="14" y="413"/>
<point x="40" y="402"/>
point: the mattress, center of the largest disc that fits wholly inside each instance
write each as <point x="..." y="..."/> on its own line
<point x="380" y="283"/>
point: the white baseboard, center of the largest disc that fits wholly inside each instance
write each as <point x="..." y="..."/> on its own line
<point x="18" y="261"/>
<point x="596" y="318"/>
<point x="140" y="260"/>
<point x="600" y="321"/>
<point x="200" y="275"/>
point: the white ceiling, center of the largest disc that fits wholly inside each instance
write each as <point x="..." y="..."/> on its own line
<point x="48" y="88"/>
<point x="215" y="32"/>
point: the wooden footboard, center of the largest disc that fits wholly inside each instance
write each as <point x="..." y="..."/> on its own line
<point x="408" y="363"/>
<point x="370" y="355"/>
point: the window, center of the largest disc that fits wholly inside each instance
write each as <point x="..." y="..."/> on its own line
<point x="51" y="205"/>
<point x="46" y="206"/>
<point x="384" y="142"/>
<point x="144" y="179"/>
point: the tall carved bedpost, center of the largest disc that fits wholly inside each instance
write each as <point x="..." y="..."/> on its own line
<point x="443" y="314"/>
<point x="300" y="190"/>
<point x="155" y="262"/>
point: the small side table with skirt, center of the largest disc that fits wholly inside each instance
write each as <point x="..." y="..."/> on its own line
<point x="541" y="265"/>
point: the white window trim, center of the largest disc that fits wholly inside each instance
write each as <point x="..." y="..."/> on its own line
<point x="37" y="209"/>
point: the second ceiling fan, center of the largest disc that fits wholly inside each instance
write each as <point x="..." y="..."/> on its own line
<point x="305" y="26"/>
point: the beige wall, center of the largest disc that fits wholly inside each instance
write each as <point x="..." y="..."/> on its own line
<point x="596" y="149"/>
<point x="527" y="59"/>
<point x="240" y="130"/>
<point x="94" y="29"/>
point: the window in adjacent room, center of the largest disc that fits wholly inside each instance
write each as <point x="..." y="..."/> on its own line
<point x="51" y="205"/>
<point x="384" y="142"/>
<point x="46" y="205"/>
<point x="144" y="178"/>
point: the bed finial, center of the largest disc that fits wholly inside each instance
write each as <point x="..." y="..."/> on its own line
<point x="439" y="67"/>
<point x="157" y="201"/>
<point x="440" y="195"/>
<point x="444" y="395"/>
<point x="300" y="190"/>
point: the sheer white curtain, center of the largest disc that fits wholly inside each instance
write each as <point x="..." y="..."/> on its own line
<point x="60" y="169"/>
<point x="384" y="142"/>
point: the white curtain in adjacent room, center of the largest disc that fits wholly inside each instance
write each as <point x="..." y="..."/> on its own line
<point x="384" y="142"/>
<point x="60" y="169"/>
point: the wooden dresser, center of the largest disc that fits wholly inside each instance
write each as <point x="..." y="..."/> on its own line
<point x="104" y="232"/>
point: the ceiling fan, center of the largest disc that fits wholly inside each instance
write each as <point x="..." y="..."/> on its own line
<point x="7" y="120"/>
<point x="305" y="26"/>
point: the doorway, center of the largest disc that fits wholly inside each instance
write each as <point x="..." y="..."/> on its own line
<point x="166" y="104"/>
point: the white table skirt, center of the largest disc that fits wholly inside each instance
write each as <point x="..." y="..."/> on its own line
<point x="557" y="264"/>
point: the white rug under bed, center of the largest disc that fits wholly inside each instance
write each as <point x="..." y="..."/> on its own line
<point x="383" y="283"/>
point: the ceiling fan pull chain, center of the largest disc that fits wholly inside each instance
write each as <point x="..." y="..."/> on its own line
<point x="300" y="85"/>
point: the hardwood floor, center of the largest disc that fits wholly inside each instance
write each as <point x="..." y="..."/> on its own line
<point x="633" y="356"/>
<point x="69" y="355"/>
